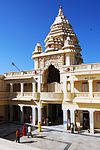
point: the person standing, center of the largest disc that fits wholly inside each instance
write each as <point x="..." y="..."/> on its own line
<point x="24" y="130"/>
<point x="39" y="126"/>
<point x="29" y="131"/>
<point x="18" y="136"/>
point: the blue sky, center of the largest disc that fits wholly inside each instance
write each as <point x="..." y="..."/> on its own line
<point x="25" y="22"/>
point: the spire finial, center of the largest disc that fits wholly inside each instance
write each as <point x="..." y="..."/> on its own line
<point x="60" y="11"/>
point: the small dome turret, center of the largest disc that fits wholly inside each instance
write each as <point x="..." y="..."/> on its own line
<point x="38" y="48"/>
<point x="68" y="43"/>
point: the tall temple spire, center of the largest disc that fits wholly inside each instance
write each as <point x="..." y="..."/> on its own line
<point x="60" y="40"/>
<point x="60" y="33"/>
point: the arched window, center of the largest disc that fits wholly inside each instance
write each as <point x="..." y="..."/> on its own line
<point x="53" y="75"/>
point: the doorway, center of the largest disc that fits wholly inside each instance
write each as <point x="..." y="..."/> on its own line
<point x="55" y="114"/>
<point x="86" y="120"/>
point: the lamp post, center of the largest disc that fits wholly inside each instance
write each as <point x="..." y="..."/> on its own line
<point x="15" y="66"/>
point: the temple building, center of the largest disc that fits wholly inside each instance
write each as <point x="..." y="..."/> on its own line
<point x="60" y="87"/>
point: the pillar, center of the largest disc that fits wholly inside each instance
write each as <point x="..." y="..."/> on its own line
<point x="64" y="87"/>
<point x="33" y="88"/>
<point x="65" y="119"/>
<point x="72" y="116"/>
<point x="72" y="86"/>
<point x="90" y="88"/>
<point x="11" y="89"/>
<point x="39" y="81"/>
<point x="67" y="59"/>
<point x="22" y="88"/>
<point x="33" y="115"/>
<point x="39" y="87"/>
<point x="21" y="114"/>
<point x="91" y="114"/>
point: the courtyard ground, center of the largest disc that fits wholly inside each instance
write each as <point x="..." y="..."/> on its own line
<point x="50" y="138"/>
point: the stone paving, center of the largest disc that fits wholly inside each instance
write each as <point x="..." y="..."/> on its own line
<point x="54" y="138"/>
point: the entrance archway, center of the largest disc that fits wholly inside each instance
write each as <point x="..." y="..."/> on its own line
<point x="53" y="75"/>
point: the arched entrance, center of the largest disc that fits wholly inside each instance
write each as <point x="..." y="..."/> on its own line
<point x="53" y="75"/>
<point x="51" y="79"/>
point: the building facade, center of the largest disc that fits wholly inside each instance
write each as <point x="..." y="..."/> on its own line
<point x="60" y="88"/>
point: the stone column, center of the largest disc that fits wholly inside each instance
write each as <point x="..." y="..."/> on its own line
<point x="72" y="86"/>
<point x="90" y="88"/>
<point x="33" y="115"/>
<point x="21" y="114"/>
<point x="22" y="88"/>
<point x="72" y="116"/>
<point x="11" y="89"/>
<point x="91" y="113"/>
<point x="64" y="87"/>
<point x="65" y="119"/>
<point x="39" y="84"/>
<point x="67" y="59"/>
<point x="33" y="88"/>
<point x="39" y="114"/>
<point x="11" y="112"/>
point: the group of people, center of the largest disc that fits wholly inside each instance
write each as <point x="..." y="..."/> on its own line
<point x="25" y="131"/>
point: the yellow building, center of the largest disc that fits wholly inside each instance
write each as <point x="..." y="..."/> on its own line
<point x="60" y="88"/>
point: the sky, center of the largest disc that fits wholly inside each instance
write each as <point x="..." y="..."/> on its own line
<point x="23" y="23"/>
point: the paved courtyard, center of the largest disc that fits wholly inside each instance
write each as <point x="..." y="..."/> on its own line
<point x="51" y="138"/>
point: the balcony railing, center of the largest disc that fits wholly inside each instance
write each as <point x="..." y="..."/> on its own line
<point x="27" y="94"/>
<point x="41" y="96"/>
<point x="96" y="94"/>
<point x="82" y="94"/>
<point x="34" y="96"/>
<point x="15" y="94"/>
<point x="51" y="96"/>
<point x="87" y="95"/>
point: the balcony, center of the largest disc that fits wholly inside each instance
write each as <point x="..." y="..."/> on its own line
<point x="51" y="96"/>
<point x="25" y="96"/>
<point x="44" y="96"/>
<point x="84" y="97"/>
